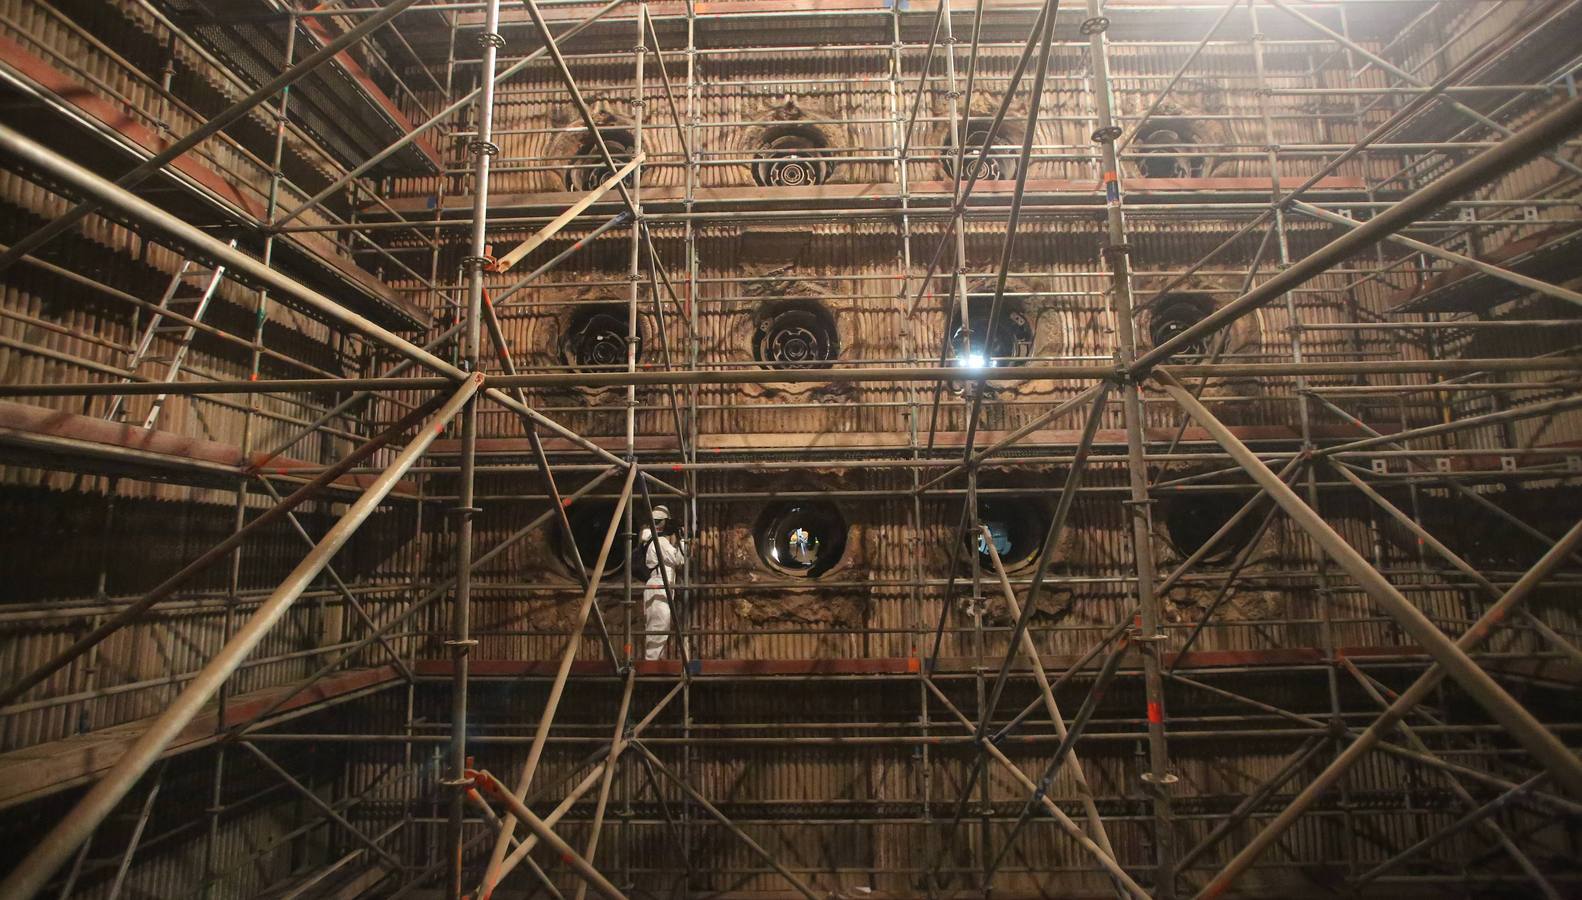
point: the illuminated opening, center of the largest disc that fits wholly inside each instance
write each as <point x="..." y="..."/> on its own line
<point x="1016" y="528"/>
<point x="596" y="338"/>
<point x="1009" y="345"/>
<point x="1193" y="518"/>
<point x="792" y="156"/>
<point x="1176" y="312"/>
<point x="588" y="169"/>
<point x="795" y="334"/>
<point x="801" y="538"/>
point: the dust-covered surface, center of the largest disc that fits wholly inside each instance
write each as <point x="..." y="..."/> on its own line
<point x="815" y="604"/>
<point x="1204" y="591"/>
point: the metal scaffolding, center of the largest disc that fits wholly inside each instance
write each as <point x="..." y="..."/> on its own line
<point x="1003" y="713"/>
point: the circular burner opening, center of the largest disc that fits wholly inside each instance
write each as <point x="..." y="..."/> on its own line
<point x="1168" y="145"/>
<point x="804" y="539"/>
<point x="588" y="169"/>
<point x="973" y="347"/>
<point x="1193" y="518"/>
<point x="1176" y="312"/>
<point x="792" y="156"/>
<point x="795" y="334"/>
<point x="1017" y="529"/>
<point x="1000" y="162"/>
<point x="596" y="338"/>
<point x="589" y="520"/>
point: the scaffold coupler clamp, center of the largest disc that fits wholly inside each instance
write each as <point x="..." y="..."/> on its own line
<point x="468" y="779"/>
<point x="1095" y="25"/>
<point x="480" y="779"/>
<point x="1134" y="631"/>
<point x="1041" y="790"/>
<point x="1162" y="783"/>
<point x="1122" y="375"/>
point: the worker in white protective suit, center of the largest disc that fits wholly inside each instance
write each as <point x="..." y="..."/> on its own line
<point x="663" y="553"/>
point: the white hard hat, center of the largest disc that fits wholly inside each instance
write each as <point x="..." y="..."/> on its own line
<point x="660" y="513"/>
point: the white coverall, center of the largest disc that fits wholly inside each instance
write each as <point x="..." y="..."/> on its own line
<point x="656" y="605"/>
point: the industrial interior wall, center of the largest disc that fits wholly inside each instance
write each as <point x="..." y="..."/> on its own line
<point x="90" y="542"/>
<point x="741" y="606"/>
<point x="850" y="270"/>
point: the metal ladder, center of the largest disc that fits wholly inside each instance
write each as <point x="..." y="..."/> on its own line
<point x="210" y="281"/>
